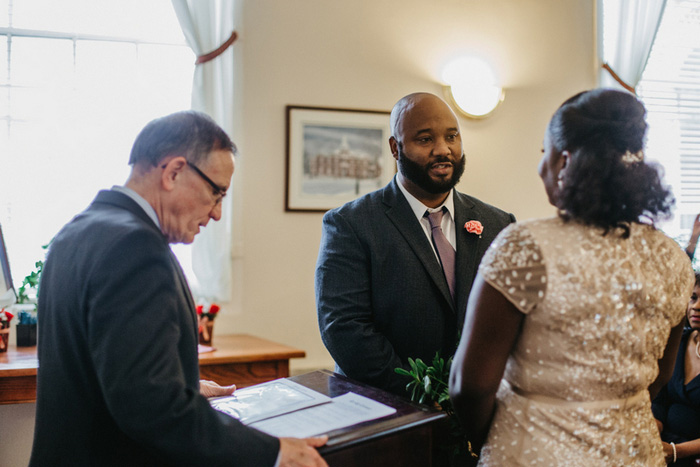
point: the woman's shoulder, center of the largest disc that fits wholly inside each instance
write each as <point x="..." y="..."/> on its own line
<point x="536" y="230"/>
<point x="657" y="243"/>
<point x="520" y="240"/>
<point x="533" y="224"/>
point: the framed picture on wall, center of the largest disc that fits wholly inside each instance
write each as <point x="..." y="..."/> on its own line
<point x="335" y="156"/>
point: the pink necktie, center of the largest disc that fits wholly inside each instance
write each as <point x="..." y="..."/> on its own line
<point x="444" y="249"/>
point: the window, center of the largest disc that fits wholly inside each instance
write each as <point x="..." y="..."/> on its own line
<point x="78" y="80"/>
<point x="670" y="89"/>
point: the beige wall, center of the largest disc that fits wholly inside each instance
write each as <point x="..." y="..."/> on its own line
<point x="367" y="54"/>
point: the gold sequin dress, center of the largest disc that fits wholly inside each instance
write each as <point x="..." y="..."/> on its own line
<point x="599" y="310"/>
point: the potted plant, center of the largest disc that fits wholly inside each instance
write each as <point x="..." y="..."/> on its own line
<point x="26" y="329"/>
<point x="26" y="305"/>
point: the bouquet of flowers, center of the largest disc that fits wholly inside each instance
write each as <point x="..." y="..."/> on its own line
<point x="206" y="322"/>
<point x="5" y="318"/>
<point x="211" y="314"/>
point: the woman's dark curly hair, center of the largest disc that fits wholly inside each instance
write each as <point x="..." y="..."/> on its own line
<point x="603" y="129"/>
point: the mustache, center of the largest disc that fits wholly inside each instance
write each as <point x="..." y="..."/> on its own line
<point x="445" y="160"/>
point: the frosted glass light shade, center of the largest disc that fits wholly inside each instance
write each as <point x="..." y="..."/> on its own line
<point x="472" y="87"/>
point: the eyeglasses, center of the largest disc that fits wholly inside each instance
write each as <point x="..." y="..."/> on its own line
<point x="218" y="190"/>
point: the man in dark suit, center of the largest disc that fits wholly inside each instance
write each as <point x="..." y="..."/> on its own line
<point x="118" y="380"/>
<point x="382" y="295"/>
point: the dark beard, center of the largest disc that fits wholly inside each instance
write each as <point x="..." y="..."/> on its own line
<point x="418" y="174"/>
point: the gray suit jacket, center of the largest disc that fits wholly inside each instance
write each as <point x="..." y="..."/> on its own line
<point x="381" y="294"/>
<point x="118" y="380"/>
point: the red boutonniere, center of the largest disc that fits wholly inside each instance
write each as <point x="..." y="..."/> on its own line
<point x="474" y="227"/>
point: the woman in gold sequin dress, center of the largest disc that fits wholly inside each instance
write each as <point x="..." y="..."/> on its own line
<point x="574" y="320"/>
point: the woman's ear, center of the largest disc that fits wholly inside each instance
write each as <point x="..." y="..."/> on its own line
<point x="563" y="163"/>
<point x="565" y="155"/>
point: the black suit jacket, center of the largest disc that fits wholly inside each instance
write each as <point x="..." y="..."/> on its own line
<point x="118" y="380"/>
<point x="381" y="294"/>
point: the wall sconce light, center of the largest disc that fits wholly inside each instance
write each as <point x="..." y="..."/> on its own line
<point x="472" y="87"/>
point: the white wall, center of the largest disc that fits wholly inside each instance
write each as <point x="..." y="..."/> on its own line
<point x="367" y="54"/>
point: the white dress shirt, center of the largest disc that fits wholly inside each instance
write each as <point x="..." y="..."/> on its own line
<point x="140" y="201"/>
<point x="448" y="222"/>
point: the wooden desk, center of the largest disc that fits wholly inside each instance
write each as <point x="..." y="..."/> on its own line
<point x="18" y="375"/>
<point x="410" y="437"/>
<point x="239" y="359"/>
<point x="245" y="360"/>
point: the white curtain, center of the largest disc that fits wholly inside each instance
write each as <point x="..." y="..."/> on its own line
<point x="207" y="24"/>
<point x="629" y="29"/>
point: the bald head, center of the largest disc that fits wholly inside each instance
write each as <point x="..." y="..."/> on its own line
<point x="407" y="104"/>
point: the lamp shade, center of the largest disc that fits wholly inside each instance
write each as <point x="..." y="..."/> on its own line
<point x="472" y="87"/>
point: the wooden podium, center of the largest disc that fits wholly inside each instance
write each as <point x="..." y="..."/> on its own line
<point x="410" y="437"/>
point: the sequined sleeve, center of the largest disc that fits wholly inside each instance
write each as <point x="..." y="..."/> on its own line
<point x="514" y="266"/>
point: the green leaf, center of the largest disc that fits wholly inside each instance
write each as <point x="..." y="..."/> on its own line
<point x="402" y="372"/>
<point x="412" y="364"/>
<point x="427" y="385"/>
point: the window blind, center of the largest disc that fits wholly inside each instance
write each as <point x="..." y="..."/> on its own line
<point x="670" y="90"/>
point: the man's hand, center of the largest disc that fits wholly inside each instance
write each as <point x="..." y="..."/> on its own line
<point x="295" y="452"/>
<point x="211" y="389"/>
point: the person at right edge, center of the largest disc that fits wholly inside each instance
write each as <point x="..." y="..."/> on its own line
<point x="677" y="407"/>
<point x="574" y="321"/>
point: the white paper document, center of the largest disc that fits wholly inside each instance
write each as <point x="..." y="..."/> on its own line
<point x="346" y="410"/>
<point x="267" y="400"/>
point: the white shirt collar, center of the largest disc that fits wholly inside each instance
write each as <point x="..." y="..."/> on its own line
<point x="140" y="201"/>
<point x="419" y="208"/>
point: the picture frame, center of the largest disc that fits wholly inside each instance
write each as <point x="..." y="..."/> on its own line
<point x="334" y="156"/>
<point x="7" y="290"/>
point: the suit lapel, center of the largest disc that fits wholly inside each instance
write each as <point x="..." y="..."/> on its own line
<point x="186" y="292"/>
<point x="467" y="247"/>
<point x="401" y="215"/>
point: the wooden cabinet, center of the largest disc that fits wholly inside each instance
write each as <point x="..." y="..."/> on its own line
<point x="239" y="359"/>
